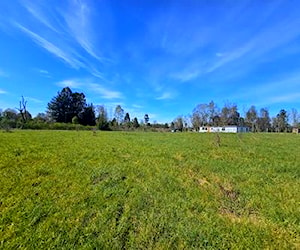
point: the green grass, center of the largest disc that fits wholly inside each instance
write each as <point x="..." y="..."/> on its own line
<point x="68" y="189"/>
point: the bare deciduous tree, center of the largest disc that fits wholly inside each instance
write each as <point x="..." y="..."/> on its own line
<point x="295" y="117"/>
<point x="22" y="109"/>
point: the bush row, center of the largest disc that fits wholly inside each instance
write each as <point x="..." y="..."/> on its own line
<point x="54" y="126"/>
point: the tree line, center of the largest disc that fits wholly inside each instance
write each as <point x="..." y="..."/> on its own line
<point x="69" y="110"/>
<point x="209" y="114"/>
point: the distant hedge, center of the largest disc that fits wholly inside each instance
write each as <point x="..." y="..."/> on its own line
<point x="55" y="126"/>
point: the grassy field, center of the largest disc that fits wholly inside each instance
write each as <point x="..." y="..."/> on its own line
<point x="113" y="190"/>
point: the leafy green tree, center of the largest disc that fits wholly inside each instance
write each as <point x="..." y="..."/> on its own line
<point x="75" y="120"/>
<point x="87" y="116"/>
<point x="59" y="108"/>
<point x="204" y="114"/>
<point x="66" y="105"/>
<point x="146" y="119"/>
<point x="10" y="114"/>
<point x="295" y="116"/>
<point x="113" y="124"/>
<point x="264" y="120"/>
<point x="251" y="118"/>
<point x="200" y="116"/>
<point x="127" y="118"/>
<point x="281" y="121"/>
<point x="119" y="114"/>
<point x="9" y="119"/>
<point x="179" y="123"/>
<point x="216" y="120"/>
<point x="135" y="123"/>
<point x="196" y="121"/>
<point x="41" y="117"/>
<point x="23" y="118"/>
<point x="213" y="111"/>
<point x="102" y="120"/>
<point x="172" y="125"/>
<point x="230" y="115"/>
<point x="78" y="104"/>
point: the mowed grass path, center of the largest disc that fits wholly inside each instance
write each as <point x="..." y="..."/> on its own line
<point x="116" y="190"/>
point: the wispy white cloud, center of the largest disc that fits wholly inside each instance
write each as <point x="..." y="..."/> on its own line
<point x="219" y="54"/>
<point x="32" y="99"/>
<point x="51" y="48"/>
<point x="190" y="70"/>
<point x="70" y="83"/>
<point x="284" y="83"/>
<point x="137" y="106"/>
<point x="44" y="73"/>
<point x="284" y="98"/>
<point x="2" y="91"/>
<point x="79" y="24"/>
<point x="105" y="93"/>
<point x="3" y="74"/>
<point x="186" y="76"/>
<point x="91" y="86"/>
<point x="282" y="89"/>
<point x="67" y="31"/>
<point x="260" y="44"/>
<point x="165" y="96"/>
<point x="230" y="57"/>
<point x="38" y="12"/>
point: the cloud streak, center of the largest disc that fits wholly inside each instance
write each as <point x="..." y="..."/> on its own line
<point x="79" y="24"/>
<point x="91" y="86"/>
<point x="32" y="99"/>
<point x="187" y="75"/>
<point x="284" y="98"/>
<point x="260" y="44"/>
<point x="44" y="73"/>
<point x="3" y="74"/>
<point x="105" y="93"/>
<point x="70" y="83"/>
<point x="270" y="92"/>
<point x="66" y="31"/>
<point x="38" y="13"/>
<point x="165" y="96"/>
<point x="51" y="48"/>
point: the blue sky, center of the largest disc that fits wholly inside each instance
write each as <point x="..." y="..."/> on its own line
<point x="156" y="57"/>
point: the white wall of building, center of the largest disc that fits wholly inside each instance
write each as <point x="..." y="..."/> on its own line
<point x="225" y="129"/>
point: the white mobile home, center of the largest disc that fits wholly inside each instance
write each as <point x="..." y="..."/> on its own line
<point x="224" y="129"/>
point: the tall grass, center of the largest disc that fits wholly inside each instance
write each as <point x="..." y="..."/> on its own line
<point x="112" y="190"/>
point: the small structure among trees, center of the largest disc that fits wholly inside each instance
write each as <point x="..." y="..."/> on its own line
<point x="296" y="130"/>
<point x="224" y="129"/>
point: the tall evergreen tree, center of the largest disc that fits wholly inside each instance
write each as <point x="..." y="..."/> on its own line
<point x="251" y="118"/>
<point x="102" y="120"/>
<point x="119" y="114"/>
<point x="281" y="121"/>
<point x="135" y="123"/>
<point x="264" y="121"/>
<point x="146" y="119"/>
<point x="87" y="116"/>
<point x="127" y="118"/>
<point x="66" y="105"/>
